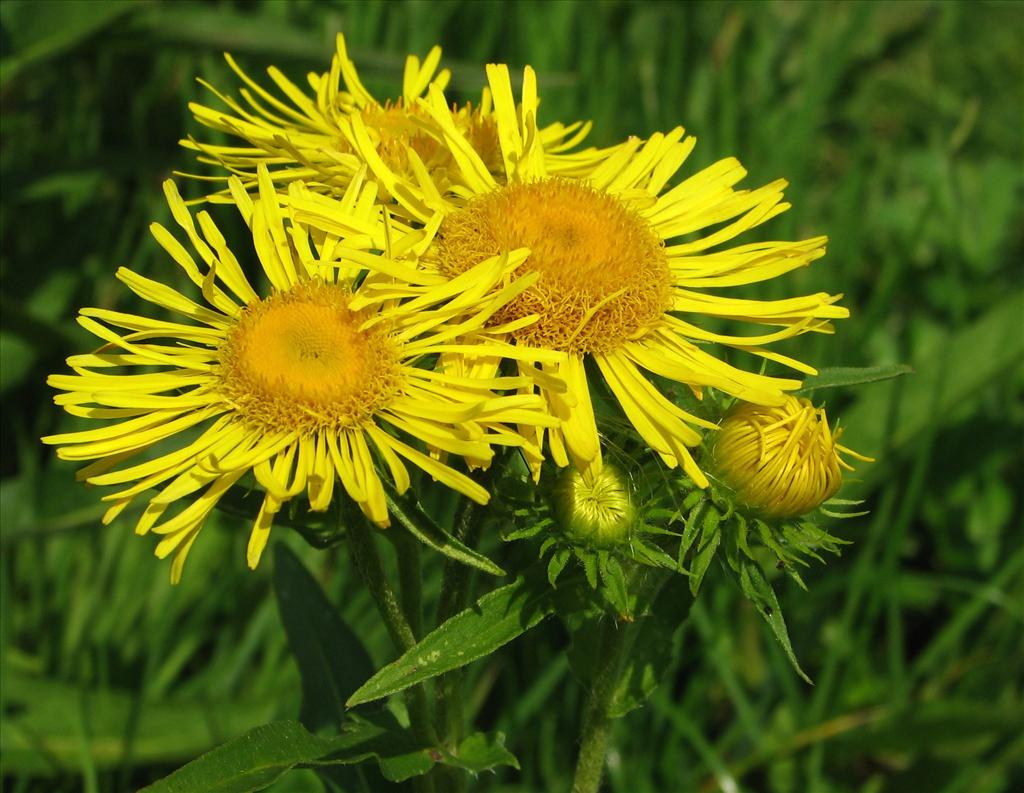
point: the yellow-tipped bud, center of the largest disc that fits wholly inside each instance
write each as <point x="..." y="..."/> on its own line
<point x="781" y="461"/>
<point x="595" y="508"/>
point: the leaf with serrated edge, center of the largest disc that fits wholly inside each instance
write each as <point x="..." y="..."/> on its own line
<point x="496" y="619"/>
<point x="757" y="589"/>
<point x="710" y="537"/>
<point x="559" y="559"/>
<point x="613" y="581"/>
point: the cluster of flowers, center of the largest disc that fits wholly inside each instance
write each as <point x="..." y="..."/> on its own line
<point x="442" y="280"/>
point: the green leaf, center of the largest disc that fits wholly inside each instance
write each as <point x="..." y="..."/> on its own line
<point x="843" y="376"/>
<point x="710" y="536"/>
<point x="650" y="554"/>
<point x="757" y="589"/>
<point x="481" y="752"/>
<point x="691" y="530"/>
<point x="657" y="642"/>
<point x="589" y="561"/>
<point x="251" y="761"/>
<point x="264" y="754"/>
<point x="421" y="526"/>
<point x="526" y="532"/>
<point x="383" y="739"/>
<point x="496" y="619"/>
<point x="613" y="584"/>
<point x="379" y="737"/>
<point x="559" y="559"/>
<point x="332" y="660"/>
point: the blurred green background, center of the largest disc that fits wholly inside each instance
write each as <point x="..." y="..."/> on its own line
<point x="899" y="128"/>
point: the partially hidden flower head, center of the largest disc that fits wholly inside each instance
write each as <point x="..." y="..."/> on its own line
<point x="618" y="285"/>
<point x="781" y="461"/>
<point x="311" y="382"/>
<point x="308" y="135"/>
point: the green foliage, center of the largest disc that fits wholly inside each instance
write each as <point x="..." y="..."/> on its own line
<point x="847" y="376"/>
<point x="496" y="619"/>
<point x="332" y="660"/>
<point x="898" y="128"/>
<point x="434" y="536"/>
<point x="250" y="762"/>
<point x="260" y="757"/>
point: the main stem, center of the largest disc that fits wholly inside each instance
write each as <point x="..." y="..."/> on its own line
<point x="410" y="579"/>
<point x="617" y="640"/>
<point x="368" y="563"/>
<point x="597" y="724"/>
<point x="455" y="589"/>
<point x="455" y="582"/>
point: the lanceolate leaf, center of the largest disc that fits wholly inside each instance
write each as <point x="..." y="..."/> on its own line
<point x="420" y="525"/>
<point x="842" y="376"/>
<point x="496" y="619"/>
<point x="613" y="584"/>
<point x="710" y="537"/>
<point x="261" y="756"/>
<point x="757" y="589"/>
<point x="557" y="564"/>
<point x="332" y="660"/>
<point x="249" y="762"/>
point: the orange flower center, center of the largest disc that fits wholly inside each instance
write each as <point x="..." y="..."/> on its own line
<point x="604" y="277"/>
<point x="300" y="360"/>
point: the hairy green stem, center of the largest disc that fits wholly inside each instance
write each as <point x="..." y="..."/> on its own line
<point x="597" y="724"/>
<point x="455" y="589"/>
<point x="367" y="560"/>
<point x="616" y="643"/>
<point x="410" y="579"/>
<point x="456" y="586"/>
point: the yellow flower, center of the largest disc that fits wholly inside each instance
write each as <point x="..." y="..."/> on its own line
<point x="625" y="279"/>
<point x="304" y="385"/>
<point x="782" y="461"/>
<point x="298" y="136"/>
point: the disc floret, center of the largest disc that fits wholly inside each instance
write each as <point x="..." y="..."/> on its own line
<point x="300" y="360"/>
<point x="604" y="275"/>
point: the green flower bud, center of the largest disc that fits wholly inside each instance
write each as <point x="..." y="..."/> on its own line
<point x="594" y="508"/>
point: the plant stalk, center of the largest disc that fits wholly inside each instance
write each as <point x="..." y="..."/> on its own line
<point x="617" y="640"/>
<point x="456" y="579"/>
<point x="410" y="579"/>
<point x="368" y="563"/>
<point x="597" y="724"/>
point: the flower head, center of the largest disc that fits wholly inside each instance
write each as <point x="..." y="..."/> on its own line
<point x="782" y="461"/>
<point x="304" y="385"/>
<point x="617" y="283"/>
<point x="316" y="138"/>
<point x="594" y="507"/>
